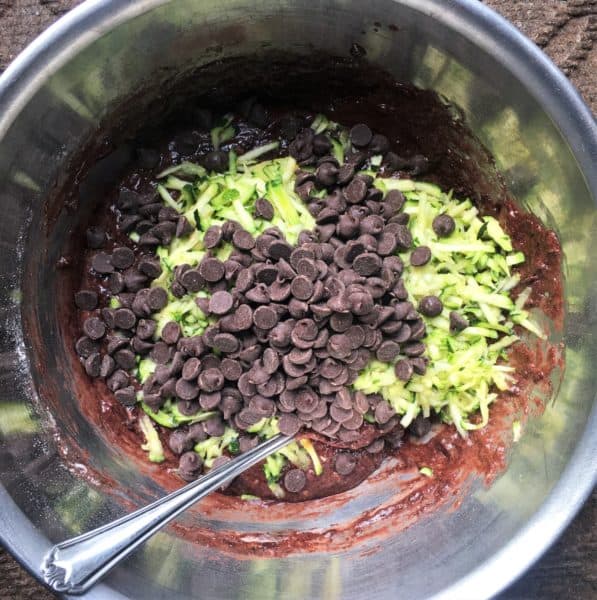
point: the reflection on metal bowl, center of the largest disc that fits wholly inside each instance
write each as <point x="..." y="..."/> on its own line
<point x="61" y="474"/>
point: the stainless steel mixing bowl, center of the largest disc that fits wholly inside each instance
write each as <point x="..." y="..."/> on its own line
<point x="520" y="106"/>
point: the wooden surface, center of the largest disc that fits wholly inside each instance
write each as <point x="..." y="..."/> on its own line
<point x="567" y="32"/>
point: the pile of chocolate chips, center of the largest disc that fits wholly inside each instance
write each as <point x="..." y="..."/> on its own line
<point x="295" y="324"/>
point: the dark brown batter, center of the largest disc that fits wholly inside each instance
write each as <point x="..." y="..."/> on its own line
<point x="416" y="123"/>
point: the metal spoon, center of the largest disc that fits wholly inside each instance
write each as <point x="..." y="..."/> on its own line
<point x="77" y="564"/>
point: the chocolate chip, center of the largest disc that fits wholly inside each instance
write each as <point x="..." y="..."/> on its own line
<point x="264" y="209"/>
<point x="243" y="317"/>
<point x="250" y="417"/>
<point x="191" y="369"/>
<point x="211" y="269"/>
<point x="186" y="390"/>
<point x="231" y="369"/>
<point x="430" y="306"/>
<point x="339" y="413"/>
<point x="244" y="280"/>
<point x="126" y="396"/>
<point x="134" y="280"/>
<point x="179" y="441"/>
<point x="140" y="305"/>
<point x="167" y="213"/>
<point x="386" y="244"/>
<point x="443" y="225"/>
<point x="101" y="263"/>
<point x="403" y="370"/>
<point x="355" y="191"/>
<point x="190" y="466"/>
<point x="383" y="412"/>
<point x="183" y="227"/>
<point x="115" y="283"/>
<point x="148" y="241"/>
<point x="214" y="427"/>
<point x="420" y="256"/>
<point x="279" y="291"/>
<point x="231" y="269"/>
<point x="93" y="364"/>
<point x="339" y="346"/>
<point x="107" y="366"/>
<point x="127" y="223"/>
<point x="403" y="334"/>
<point x="221" y="303"/>
<point x="209" y="334"/>
<point x="226" y="342"/>
<point x="360" y="135"/>
<point x="420" y="426"/>
<point x="321" y="144"/>
<point x="94" y="328"/>
<point x="86" y="300"/>
<point x="344" y="463"/>
<point x="171" y="332"/>
<point x="259" y="294"/>
<point x="211" y="380"/>
<point x="308" y="268"/>
<point x="299" y="356"/>
<point x="327" y="216"/>
<point x="266" y="274"/>
<point x="262" y="405"/>
<point x="125" y="359"/>
<point x="354" y="422"/>
<point x="419" y="365"/>
<point x="361" y="303"/>
<point x="177" y="289"/>
<point x="150" y="209"/>
<point x="404" y="238"/>
<point x="118" y="380"/>
<point x="372" y="225"/>
<point x="145" y="329"/>
<point x="157" y="298"/>
<point x="96" y="237"/>
<point x="340" y="322"/>
<point x="367" y="264"/>
<point x="413" y="349"/>
<point x="379" y="144"/>
<point x="124" y="318"/>
<point x="301" y="287"/>
<point x="326" y="174"/>
<point x="243" y="240"/>
<point x="306" y="329"/>
<point x="122" y="257"/>
<point x="306" y="400"/>
<point x="457" y="322"/>
<point x="212" y="237"/>
<point x="161" y="353"/>
<point x="387" y="351"/>
<point x="116" y="343"/>
<point x="289" y="424"/>
<point x="188" y="408"/>
<point x="265" y="317"/>
<point x="376" y="446"/>
<point x="295" y="480"/>
<point x="230" y="405"/>
<point x="298" y="254"/>
<point x="192" y="279"/>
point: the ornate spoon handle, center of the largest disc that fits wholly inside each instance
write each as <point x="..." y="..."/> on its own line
<point x="77" y="564"/>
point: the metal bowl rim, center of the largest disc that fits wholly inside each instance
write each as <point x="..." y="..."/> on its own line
<point x="484" y="27"/>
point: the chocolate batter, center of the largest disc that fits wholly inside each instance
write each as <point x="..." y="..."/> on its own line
<point x="416" y="123"/>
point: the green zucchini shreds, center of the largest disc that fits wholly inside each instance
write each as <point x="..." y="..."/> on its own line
<point x="153" y="444"/>
<point x="470" y="274"/>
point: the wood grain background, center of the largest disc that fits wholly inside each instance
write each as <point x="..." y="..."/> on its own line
<point x="567" y="32"/>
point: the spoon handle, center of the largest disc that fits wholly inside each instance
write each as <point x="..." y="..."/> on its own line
<point x="77" y="564"/>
